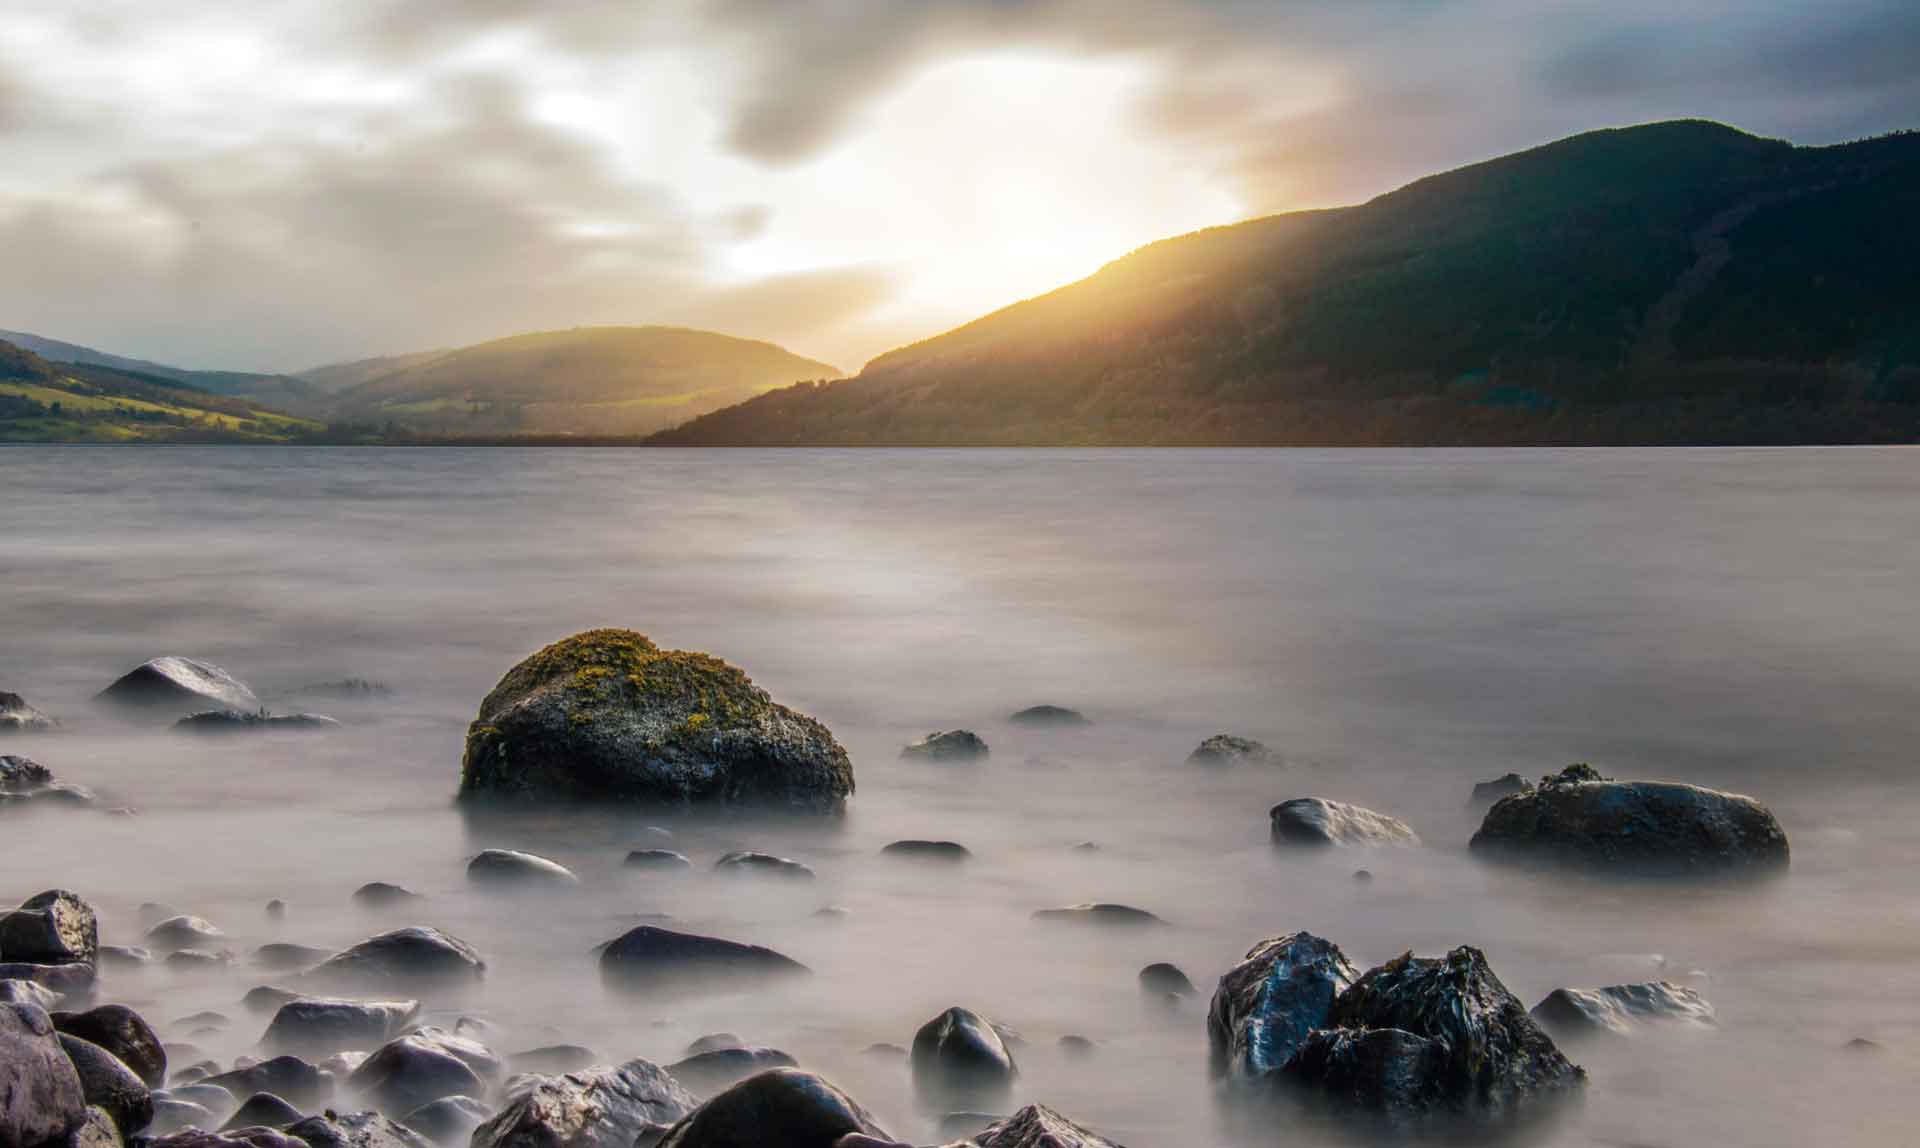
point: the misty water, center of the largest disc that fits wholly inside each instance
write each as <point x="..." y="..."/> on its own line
<point x="1398" y="625"/>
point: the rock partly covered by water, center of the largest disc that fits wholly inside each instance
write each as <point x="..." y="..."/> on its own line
<point x="107" y="1083"/>
<point x="252" y="721"/>
<point x="22" y="774"/>
<point x="1226" y="749"/>
<point x="52" y="928"/>
<point x="263" y="1110"/>
<point x="1654" y="828"/>
<point x="606" y="715"/>
<point x="1620" y="1009"/>
<point x="1267" y="1005"/>
<point x="353" y="1130"/>
<point x="960" y="1056"/>
<point x="1164" y="979"/>
<point x="648" y="956"/>
<point x="16" y="714"/>
<point x="746" y="863"/>
<point x="1105" y="914"/>
<point x="184" y="931"/>
<point x="920" y="850"/>
<point x="40" y="1094"/>
<point x="1046" y="716"/>
<point x="321" y="1025"/>
<point x="449" y="1120"/>
<point x="1485" y="793"/>
<point x="607" y="1107"/>
<point x="180" y="685"/>
<point x="417" y="955"/>
<point x="297" y="1081"/>
<point x="947" y="745"/>
<point x="506" y="868"/>
<point x="783" y="1106"/>
<point x="658" y="859"/>
<point x="423" y="1066"/>
<point x="1316" y="821"/>
<point x="125" y="1034"/>
<point x="712" y="1069"/>
<point x="1037" y="1126"/>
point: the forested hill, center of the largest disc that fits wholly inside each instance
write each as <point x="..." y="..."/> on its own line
<point x="1672" y="283"/>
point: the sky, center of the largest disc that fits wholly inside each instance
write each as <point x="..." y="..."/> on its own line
<point x="272" y="186"/>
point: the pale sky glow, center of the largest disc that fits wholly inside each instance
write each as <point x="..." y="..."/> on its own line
<point x="223" y="183"/>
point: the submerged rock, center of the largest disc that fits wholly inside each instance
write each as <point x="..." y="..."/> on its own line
<point x="598" y="1108"/>
<point x="251" y="721"/>
<point x="960" y="1056"/>
<point x="1037" y="1126"/>
<point x="917" y="850"/>
<point x="1225" y="749"/>
<point x="1102" y="913"/>
<point x="648" y="956"/>
<point x="1651" y="828"/>
<point x="782" y="1106"/>
<point x="1050" y="716"/>
<point x="331" y="1024"/>
<point x="284" y="955"/>
<point x="183" y="932"/>
<point x="1485" y="793"/>
<point x="1161" y="978"/>
<point x="713" y="1069"/>
<point x="657" y="859"/>
<point x="17" y="716"/>
<point x="606" y="715"/>
<point x="288" y="1077"/>
<point x="263" y="1110"/>
<point x="22" y="774"/>
<point x="125" y="1034"/>
<point x="511" y="867"/>
<point x="51" y="928"/>
<point x="197" y="960"/>
<point x="107" y="1083"/>
<point x="422" y="1067"/>
<point x="180" y="684"/>
<point x="1265" y="1006"/>
<point x="947" y="745"/>
<point x="1620" y="1009"/>
<point x="40" y="1092"/>
<point x="762" y="864"/>
<point x="448" y="1121"/>
<point x="1316" y="821"/>
<point x="268" y="998"/>
<point x="417" y="955"/>
<point x="383" y="895"/>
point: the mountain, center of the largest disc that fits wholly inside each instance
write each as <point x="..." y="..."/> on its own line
<point x="336" y="377"/>
<point x="600" y="381"/>
<point x="1675" y="282"/>
<point x="42" y="401"/>
<point x="279" y="390"/>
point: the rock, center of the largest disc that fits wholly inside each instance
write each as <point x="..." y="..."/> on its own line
<point x="648" y="956"/>
<point x="1225" y="749"/>
<point x="22" y="774"/>
<point x="1161" y="977"/>
<point x="109" y="1084"/>
<point x="1620" y="1009"/>
<point x="964" y="1125"/>
<point x="1101" y="913"/>
<point x="183" y="932"/>
<point x="916" y="850"/>
<point x="947" y="745"/>
<point x="26" y="992"/>
<point x="1650" y="828"/>
<point x="289" y="1077"/>
<point x="1076" y="1046"/>
<point x="214" y="1099"/>
<point x="1420" y="1036"/>
<point x="1037" y="1126"/>
<point x="552" y="1058"/>
<point x="282" y="955"/>
<point x="782" y="1106"/>
<point x="172" y="1115"/>
<point x="657" y="859"/>
<point x="154" y="912"/>
<point x="1087" y="847"/>
<point x="317" y="1025"/>
<point x="714" y="1069"/>
<point x="349" y="688"/>
<point x="40" y="1092"/>
<point x="126" y="1035"/>
<point x="762" y="864"/>
<point x="197" y="960"/>
<point x="1862" y="1044"/>
<point x="52" y="928"/>
<point x="424" y="1066"/>
<point x="598" y="1108"/>
<point x="1318" y="822"/>
<point x="885" y="1050"/>
<point x="263" y="1110"/>
<point x="123" y="956"/>
<point x="204" y="1018"/>
<point x="276" y="909"/>
<point x="448" y="1121"/>
<point x="96" y="1131"/>
<point x="70" y="980"/>
<point x="1265" y="1006"/>
<point x="254" y="721"/>
<point x="606" y="715"/>
<point x="1363" y="876"/>
<point x="511" y="867"/>
<point x="959" y="1056"/>
<point x="713" y="1042"/>
<point x="1048" y="716"/>
<point x="1485" y="793"/>
<point x="353" y="1130"/>
<point x="196" y="1137"/>
<point x="412" y="956"/>
<point x="16" y="716"/>
<point x="832" y="913"/>
<point x="180" y="684"/>
<point x="267" y="998"/>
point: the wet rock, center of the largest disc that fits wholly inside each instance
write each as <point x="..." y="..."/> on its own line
<point x="52" y="928"/>
<point x="96" y="1131"/>
<point x="1485" y="793"/>
<point x="713" y="1042"/>
<point x="1046" y="716"/>
<point x="353" y="1130"/>
<point x="319" y="1025"/>
<point x="281" y="955"/>
<point x="172" y="1115"/>
<point x="1160" y="978"/>
<point x="657" y="859"/>
<point x="762" y="864"/>
<point x="1104" y="914"/>
<point x="16" y="716"/>
<point x="1266" y="1005"/>
<point x="1076" y="1046"/>
<point x="958" y="1055"/>
<point x="1037" y="1126"/>
<point x="416" y="955"/>
<point x="180" y="685"/>
<point x="511" y="868"/>
<point x="782" y="1106"/>
<point x="1620" y="1009"/>
<point x="197" y="960"/>
<point x="1225" y="749"/>
<point x="268" y="998"/>
<point x="22" y="774"/>
<point x="26" y="992"/>
<point x="917" y="850"/>
<point x="40" y="1092"/>
<point x="1318" y="822"/>
<point x="125" y="1034"/>
<point x="648" y="955"/>
<point x="607" y="715"/>
<point x="183" y="932"/>
<point x="599" y="1108"/>
<point x="263" y="1110"/>
<point x="254" y="721"/>
<point x="714" y="1069"/>
<point x="448" y="1121"/>
<point x="1651" y="828"/>
<point x="289" y="1077"/>
<point x="552" y="1058"/>
<point x="424" y="1066"/>
<point x="109" y="1084"/>
<point x="947" y="745"/>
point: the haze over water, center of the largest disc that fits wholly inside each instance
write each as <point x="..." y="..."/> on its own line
<point x="1398" y="625"/>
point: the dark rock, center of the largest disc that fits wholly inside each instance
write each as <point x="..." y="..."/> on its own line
<point x="180" y="685"/>
<point x="108" y="1083"/>
<point x="381" y="895"/>
<point x="40" y="1092"/>
<point x="268" y="998"/>
<point x="1045" y="716"/>
<point x="1101" y="913"/>
<point x="217" y="1101"/>
<point x="424" y="1066"/>
<point x="317" y="1025"/>
<point x="263" y="1110"/>
<point x="353" y="1130"/>
<point x="607" y="715"/>
<point x="1161" y="977"/>
<point x="552" y="1058"/>
<point x="204" y="1018"/>
<point x="762" y="864"/>
<point x="1651" y="828"/>
<point x="349" y="688"/>
<point x="782" y="1106"/>
<point x="1485" y="793"/>
<point x="412" y="956"/>
<point x="886" y="1050"/>
<point x="26" y="992"/>
<point x="126" y="1035"/>
<point x="183" y="932"/>
<point x="253" y="721"/>
<point x="281" y="955"/>
<point x="96" y="1131"/>
<point x="599" y="1108"/>
<point x="52" y="928"/>
<point x="647" y="955"/>
<point x="1076" y="1046"/>
<point x="197" y="1137"/>
<point x="713" y="1042"/>
<point x="512" y="868"/>
<point x="197" y="960"/>
<point x="1862" y="1044"/>
<point x="1363" y="876"/>
<point x="276" y="909"/>
<point x="172" y="1115"/>
<point x="17" y="716"/>
<point x="70" y="980"/>
<point x="916" y="850"/>
<point x="1225" y="749"/>
<point x="22" y="774"/>
<point x="657" y="859"/>
<point x="958" y="1055"/>
<point x="124" y="956"/>
<point x="710" y="1071"/>
<point x="1037" y="1126"/>
<point x="448" y="1121"/>
<point x="1266" y="1005"/>
<point x="290" y="1077"/>
<point x="1317" y="822"/>
<point x="947" y="745"/>
<point x="1620" y="1009"/>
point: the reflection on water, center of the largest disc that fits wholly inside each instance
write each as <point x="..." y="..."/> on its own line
<point x="1397" y="624"/>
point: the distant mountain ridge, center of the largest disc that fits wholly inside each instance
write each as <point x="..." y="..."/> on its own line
<point x="43" y="401"/>
<point x="1675" y="282"/>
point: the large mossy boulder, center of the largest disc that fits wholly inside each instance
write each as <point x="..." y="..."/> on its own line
<point x="1638" y="828"/>
<point x="606" y="715"/>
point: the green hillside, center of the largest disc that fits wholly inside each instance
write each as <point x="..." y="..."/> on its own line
<point x="47" y="402"/>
